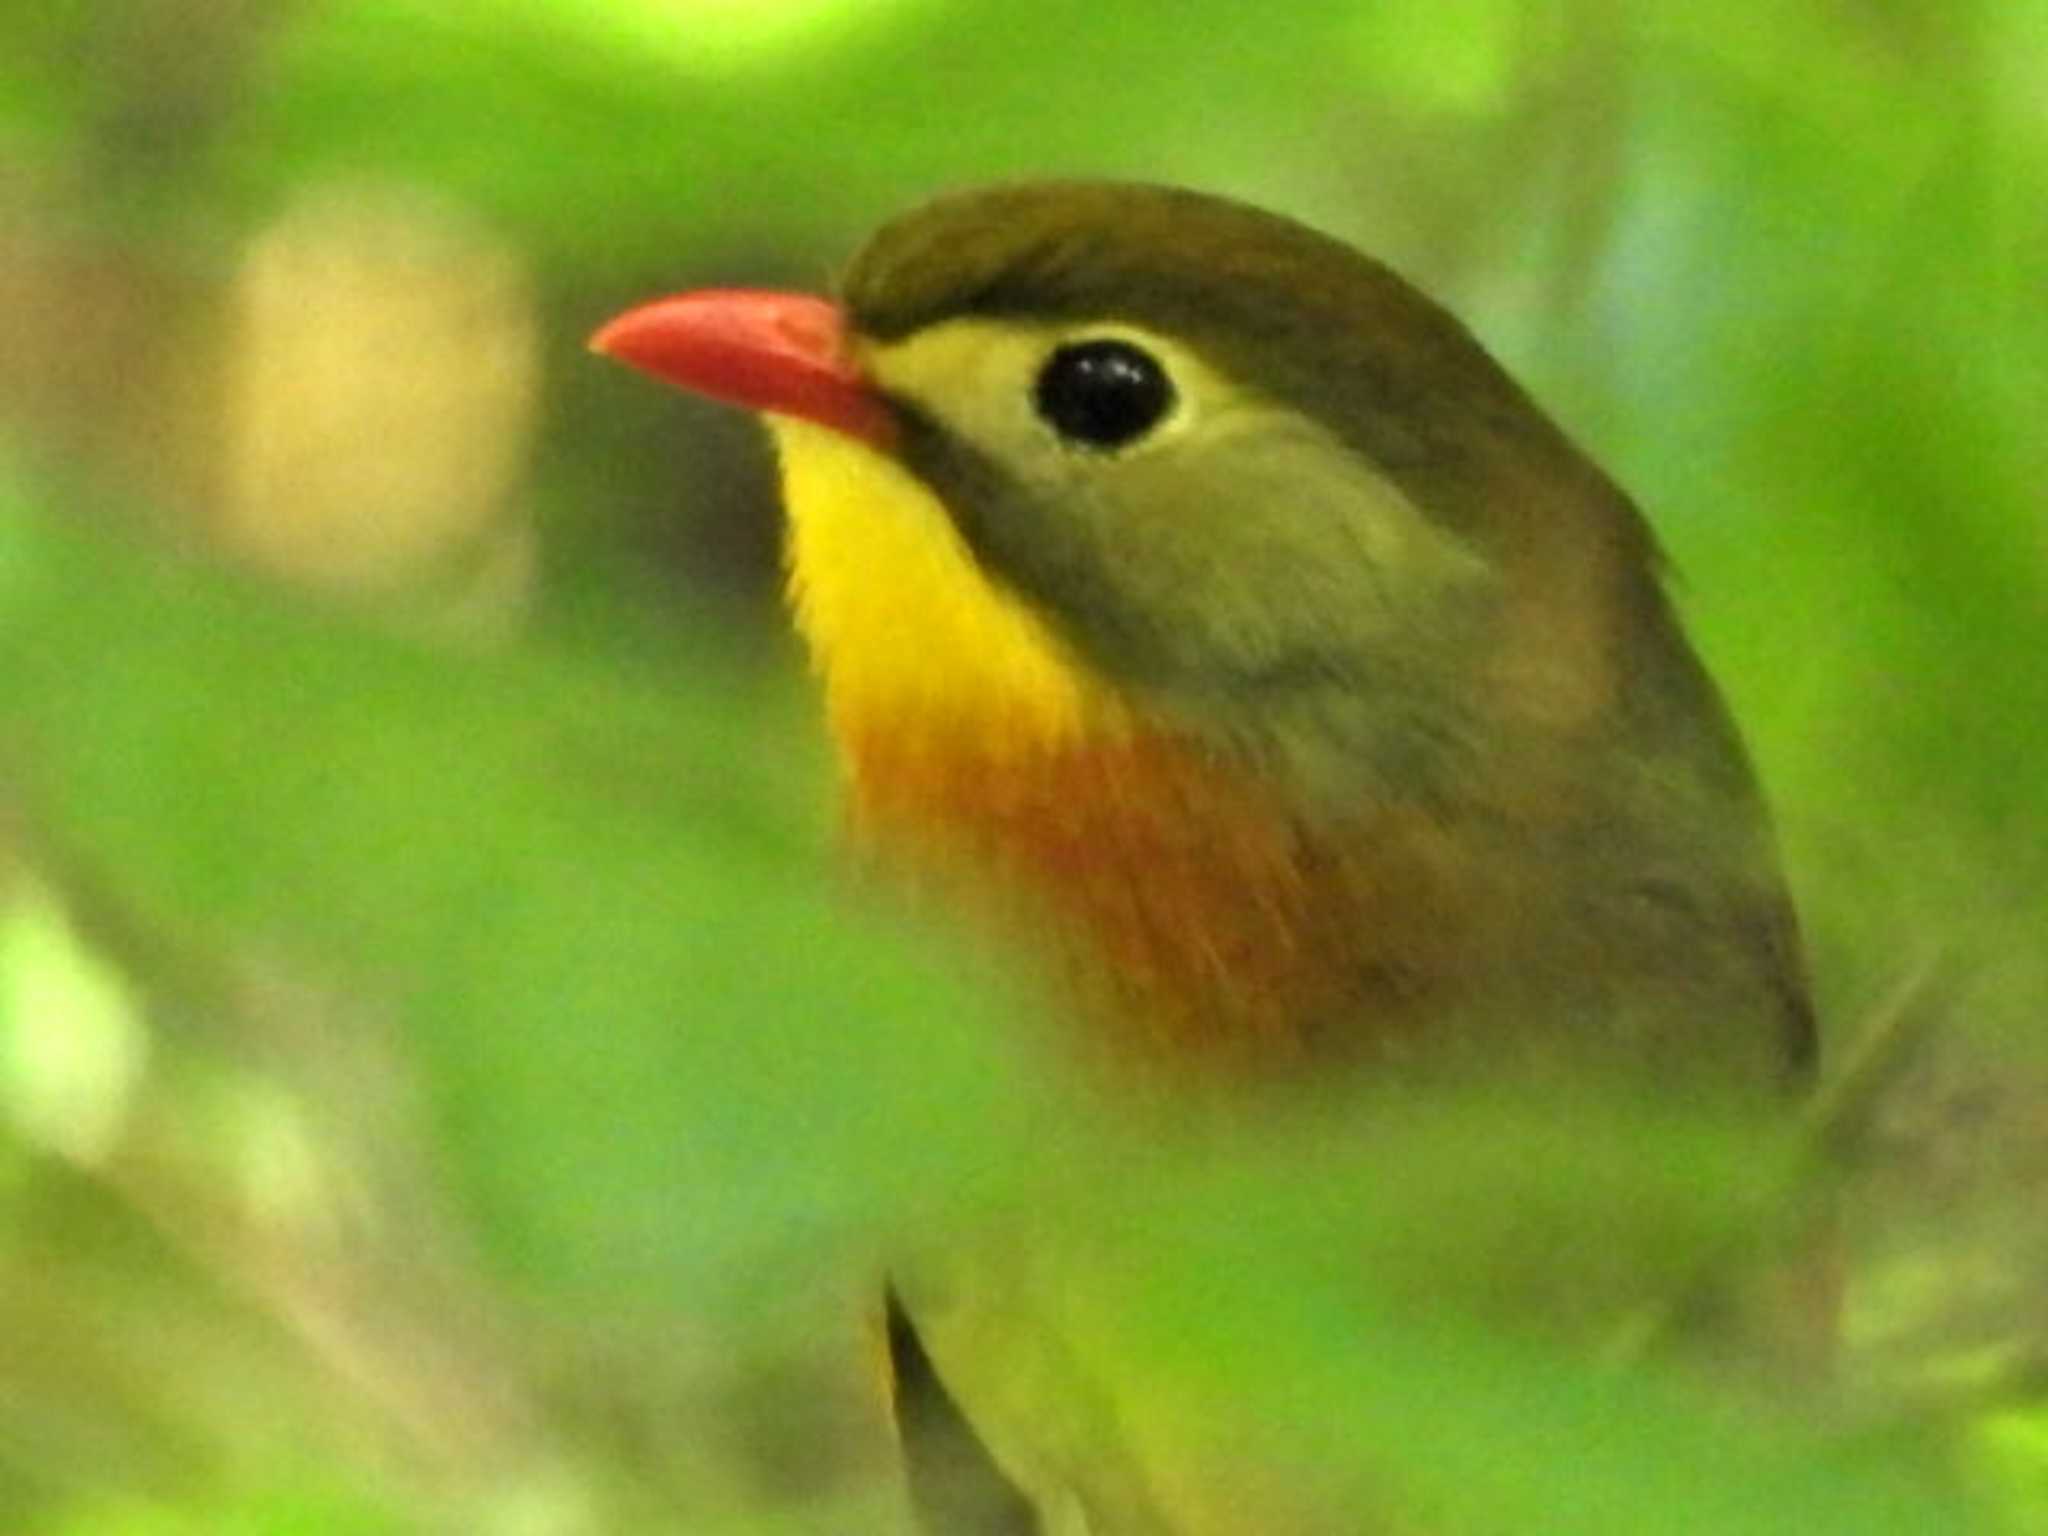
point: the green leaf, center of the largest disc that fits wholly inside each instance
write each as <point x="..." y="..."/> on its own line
<point x="654" y="1033"/>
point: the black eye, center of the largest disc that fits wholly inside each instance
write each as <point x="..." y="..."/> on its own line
<point x="1103" y="394"/>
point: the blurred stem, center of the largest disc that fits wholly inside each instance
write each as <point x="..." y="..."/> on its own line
<point x="1591" y="97"/>
<point x="173" y="74"/>
<point x="1834" y="1118"/>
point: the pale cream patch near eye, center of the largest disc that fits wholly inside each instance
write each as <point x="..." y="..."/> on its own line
<point x="977" y="377"/>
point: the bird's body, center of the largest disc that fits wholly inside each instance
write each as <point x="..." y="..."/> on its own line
<point x="1194" y="588"/>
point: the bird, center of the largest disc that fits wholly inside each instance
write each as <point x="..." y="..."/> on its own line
<point x="1209" y="601"/>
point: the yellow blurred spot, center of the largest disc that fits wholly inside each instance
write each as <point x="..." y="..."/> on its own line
<point x="72" y="1049"/>
<point x="382" y="384"/>
<point x="284" y="1180"/>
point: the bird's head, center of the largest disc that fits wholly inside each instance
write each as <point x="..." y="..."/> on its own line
<point x="1089" y="452"/>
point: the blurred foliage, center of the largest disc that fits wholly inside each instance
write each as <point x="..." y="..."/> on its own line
<point x="446" y="1082"/>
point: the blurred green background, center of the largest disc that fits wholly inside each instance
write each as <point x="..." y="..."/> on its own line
<point x="446" y="1082"/>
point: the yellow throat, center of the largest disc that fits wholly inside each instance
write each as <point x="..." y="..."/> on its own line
<point x="901" y="622"/>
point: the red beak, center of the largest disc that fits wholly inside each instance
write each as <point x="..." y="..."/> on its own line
<point x="784" y="353"/>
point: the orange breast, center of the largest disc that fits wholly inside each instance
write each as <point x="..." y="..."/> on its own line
<point x="1181" y="893"/>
